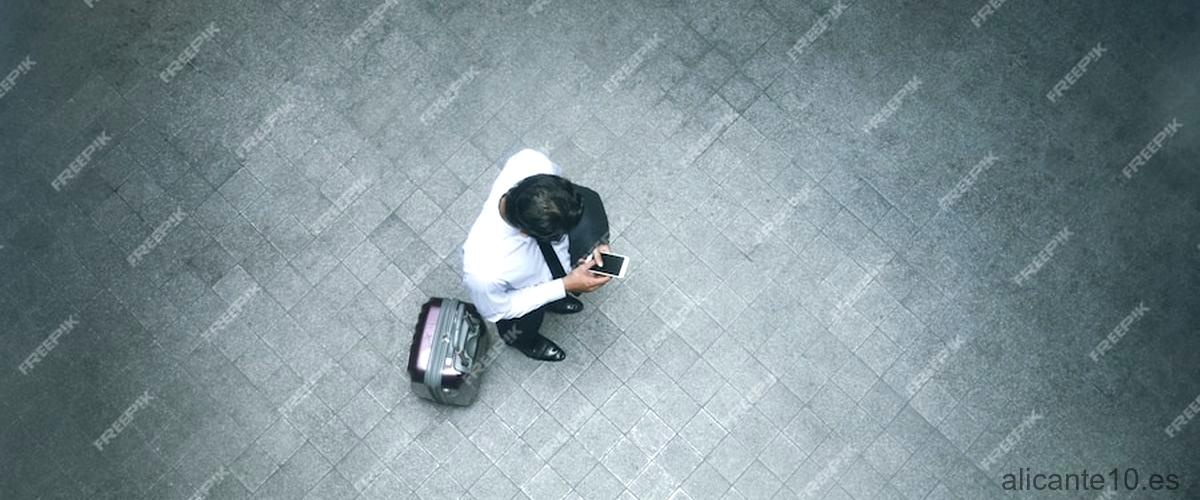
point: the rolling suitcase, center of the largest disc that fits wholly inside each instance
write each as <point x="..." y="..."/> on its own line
<point x="448" y="346"/>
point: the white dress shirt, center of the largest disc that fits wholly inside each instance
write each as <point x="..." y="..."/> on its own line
<point x="504" y="271"/>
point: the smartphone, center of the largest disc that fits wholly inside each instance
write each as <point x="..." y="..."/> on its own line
<point x="614" y="265"/>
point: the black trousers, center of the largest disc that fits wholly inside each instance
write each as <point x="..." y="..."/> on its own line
<point x="592" y="230"/>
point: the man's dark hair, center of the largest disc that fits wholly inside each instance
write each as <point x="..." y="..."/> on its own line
<point x="544" y="206"/>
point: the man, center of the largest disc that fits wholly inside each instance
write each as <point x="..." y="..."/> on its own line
<point x="533" y="223"/>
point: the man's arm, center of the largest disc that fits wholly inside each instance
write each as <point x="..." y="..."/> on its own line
<point x="496" y="302"/>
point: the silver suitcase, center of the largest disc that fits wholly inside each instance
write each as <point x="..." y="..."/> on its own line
<point x="445" y="361"/>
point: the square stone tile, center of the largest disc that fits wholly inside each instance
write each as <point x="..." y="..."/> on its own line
<point x="597" y="383"/>
<point x="598" y="435"/>
<point x="363" y="413"/>
<point x="494" y="484"/>
<point x="494" y="437"/>
<point x="704" y="482"/>
<point x="878" y="352"/>
<point x="571" y="409"/>
<point x="625" y="460"/>
<point x="442" y="439"/>
<point x="573" y="462"/>
<point x="650" y="433"/>
<point x="757" y="482"/>
<point x="520" y="463"/>
<point x="519" y="411"/>
<point x="886" y="455"/>
<point x="600" y="483"/>
<point x="624" y="409"/>
<point x="703" y="433"/>
<point x="855" y="378"/>
<point x="253" y="467"/>
<point x="546" y="435"/>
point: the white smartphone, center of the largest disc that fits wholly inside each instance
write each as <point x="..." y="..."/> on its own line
<point x="614" y="265"/>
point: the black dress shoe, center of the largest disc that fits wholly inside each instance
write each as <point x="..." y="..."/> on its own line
<point x="565" y="305"/>
<point x="541" y="349"/>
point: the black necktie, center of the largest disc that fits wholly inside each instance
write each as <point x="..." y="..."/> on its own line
<point x="552" y="261"/>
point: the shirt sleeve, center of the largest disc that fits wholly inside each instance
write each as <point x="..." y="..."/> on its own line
<point x="495" y="301"/>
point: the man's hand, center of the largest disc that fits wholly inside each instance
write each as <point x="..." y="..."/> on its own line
<point x="581" y="279"/>
<point x="595" y="255"/>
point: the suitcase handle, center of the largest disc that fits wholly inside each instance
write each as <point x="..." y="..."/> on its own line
<point x="462" y="352"/>
<point x="472" y="334"/>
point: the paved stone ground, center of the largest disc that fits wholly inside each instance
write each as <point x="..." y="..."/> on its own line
<point x="815" y="308"/>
